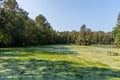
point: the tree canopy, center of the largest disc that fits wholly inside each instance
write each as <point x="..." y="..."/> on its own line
<point x="18" y="29"/>
<point x="116" y="32"/>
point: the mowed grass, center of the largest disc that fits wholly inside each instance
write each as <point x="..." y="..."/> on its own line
<point x="60" y="62"/>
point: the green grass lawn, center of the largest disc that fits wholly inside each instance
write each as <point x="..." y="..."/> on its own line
<point x="60" y="62"/>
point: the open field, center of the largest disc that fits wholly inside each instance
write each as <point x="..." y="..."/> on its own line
<point x="60" y="62"/>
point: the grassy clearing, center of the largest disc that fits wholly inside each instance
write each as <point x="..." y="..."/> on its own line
<point x="60" y="62"/>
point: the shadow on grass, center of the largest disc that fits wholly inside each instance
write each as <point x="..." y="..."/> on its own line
<point x="14" y="53"/>
<point x="29" y="51"/>
<point x="26" y="53"/>
<point x="36" y="69"/>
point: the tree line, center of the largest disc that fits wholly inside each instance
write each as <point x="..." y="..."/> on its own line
<point x="85" y="37"/>
<point x="18" y="29"/>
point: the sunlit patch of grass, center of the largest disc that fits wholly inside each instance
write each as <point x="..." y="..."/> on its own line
<point x="60" y="62"/>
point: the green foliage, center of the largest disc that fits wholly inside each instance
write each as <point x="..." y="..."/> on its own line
<point x="17" y="29"/>
<point x="84" y="36"/>
<point x="116" y="32"/>
<point x="87" y="37"/>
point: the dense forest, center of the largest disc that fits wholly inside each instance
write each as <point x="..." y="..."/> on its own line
<point x="18" y="29"/>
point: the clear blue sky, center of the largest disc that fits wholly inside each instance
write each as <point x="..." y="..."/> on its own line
<point x="71" y="14"/>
